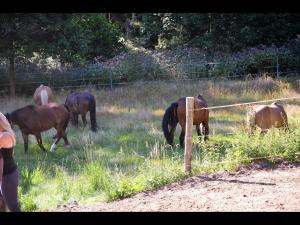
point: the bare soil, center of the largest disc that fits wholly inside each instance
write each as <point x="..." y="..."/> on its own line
<point x="258" y="187"/>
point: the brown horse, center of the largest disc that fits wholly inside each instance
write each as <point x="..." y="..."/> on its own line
<point x="81" y="103"/>
<point x="176" y="113"/>
<point x="43" y="95"/>
<point x="266" y="117"/>
<point x="33" y="120"/>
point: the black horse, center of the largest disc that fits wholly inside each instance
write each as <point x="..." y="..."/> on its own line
<point x="81" y="103"/>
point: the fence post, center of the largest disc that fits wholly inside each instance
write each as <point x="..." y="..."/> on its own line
<point x="110" y="78"/>
<point x="188" y="134"/>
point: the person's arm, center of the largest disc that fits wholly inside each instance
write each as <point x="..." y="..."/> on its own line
<point x="6" y="140"/>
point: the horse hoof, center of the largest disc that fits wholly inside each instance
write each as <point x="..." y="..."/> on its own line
<point x="68" y="146"/>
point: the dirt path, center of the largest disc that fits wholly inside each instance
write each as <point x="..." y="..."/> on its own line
<point x="249" y="189"/>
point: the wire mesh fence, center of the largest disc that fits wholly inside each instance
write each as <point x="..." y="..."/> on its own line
<point x="100" y="77"/>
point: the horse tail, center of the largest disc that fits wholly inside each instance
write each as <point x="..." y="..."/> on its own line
<point x="67" y="120"/>
<point x="92" y="108"/>
<point x="169" y="118"/>
<point x="67" y="107"/>
<point x="44" y="97"/>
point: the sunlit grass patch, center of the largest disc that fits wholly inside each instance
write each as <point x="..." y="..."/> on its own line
<point x="129" y="154"/>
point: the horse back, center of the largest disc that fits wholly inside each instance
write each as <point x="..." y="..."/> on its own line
<point x="267" y="116"/>
<point x="79" y="102"/>
<point x="32" y="119"/>
<point x="200" y="116"/>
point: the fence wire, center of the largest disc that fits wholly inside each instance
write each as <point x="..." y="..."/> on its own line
<point x="246" y="103"/>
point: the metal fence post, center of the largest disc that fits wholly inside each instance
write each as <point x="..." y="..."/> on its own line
<point x="110" y="78"/>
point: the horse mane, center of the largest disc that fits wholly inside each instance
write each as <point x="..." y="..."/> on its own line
<point x="200" y="97"/>
<point x="278" y="105"/>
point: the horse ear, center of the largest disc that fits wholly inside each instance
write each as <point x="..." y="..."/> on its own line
<point x="7" y="115"/>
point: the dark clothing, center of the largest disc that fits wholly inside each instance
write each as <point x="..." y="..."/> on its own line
<point x="9" y="189"/>
<point x="10" y="180"/>
<point x="9" y="162"/>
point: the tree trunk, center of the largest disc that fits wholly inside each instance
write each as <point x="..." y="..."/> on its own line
<point x="12" y="83"/>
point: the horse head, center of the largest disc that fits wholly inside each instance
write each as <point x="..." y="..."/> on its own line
<point x="200" y="96"/>
<point x="8" y="117"/>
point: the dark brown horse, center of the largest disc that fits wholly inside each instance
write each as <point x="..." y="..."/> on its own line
<point x="176" y="113"/>
<point x="266" y="117"/>
<point x="81" y="103"/>
<point x="33" y="120"/>
<point x="43" y="95"/>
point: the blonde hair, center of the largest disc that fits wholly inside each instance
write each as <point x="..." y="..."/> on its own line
<point x="5" y="126"/>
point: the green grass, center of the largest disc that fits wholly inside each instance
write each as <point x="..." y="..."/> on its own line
<point x="129" y="154"/>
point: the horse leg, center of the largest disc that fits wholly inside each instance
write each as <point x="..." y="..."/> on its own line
<point x="39" y="141"/>
<point x="205" y="130"/>
<point x="66" y="140"/>
<point x="83" y="119"/>
<point x="64" y="135"/>
<point x="61" y="134"/>
<point x="198" y="132"/>
<point x="25" y="138"/>
<point x="172" y="131"/>
<point x="53" y="146"/>
<point x="181" y="138"/>
<point x="74" y="119"/>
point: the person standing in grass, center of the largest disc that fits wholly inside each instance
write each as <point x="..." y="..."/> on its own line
<point x="9" y="174"/>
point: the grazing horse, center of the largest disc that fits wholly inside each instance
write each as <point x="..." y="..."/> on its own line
<point x="43" y="95"/>
<point x="34" y="119"/>
<point x="81" y="103"/>
<point x="266" y="117"/>
<point x="176" y="113"/>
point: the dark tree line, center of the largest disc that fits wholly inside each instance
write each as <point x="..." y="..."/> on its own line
<point x="77" y="38"/>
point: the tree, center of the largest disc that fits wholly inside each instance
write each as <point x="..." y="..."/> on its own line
<point x="23" y="34"/>
<point x="70" y="38"/>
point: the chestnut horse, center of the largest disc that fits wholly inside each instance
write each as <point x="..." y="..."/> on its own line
<point x="176" y="113"/>
<point x="34" y="119"/>
<point x="266" y="117"/>
<point x="43" y="95"/>
<point x="81" y="103"/>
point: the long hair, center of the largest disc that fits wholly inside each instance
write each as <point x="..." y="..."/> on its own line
<point x="44" y="97"/>
<point x="169" y="118"/>
<point x="5" y="126"/>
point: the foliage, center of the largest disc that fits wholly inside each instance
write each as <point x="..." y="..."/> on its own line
<point x="211" y="32"/>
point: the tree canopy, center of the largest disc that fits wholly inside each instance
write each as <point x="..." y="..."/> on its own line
<point x="78" y="38"/>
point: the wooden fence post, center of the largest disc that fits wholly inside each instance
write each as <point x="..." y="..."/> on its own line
<point x="188" y="134"/>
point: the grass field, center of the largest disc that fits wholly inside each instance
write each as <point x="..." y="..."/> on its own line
<point x="128" y="154"/>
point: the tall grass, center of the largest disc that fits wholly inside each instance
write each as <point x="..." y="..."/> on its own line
<point x="129" y="154"/>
